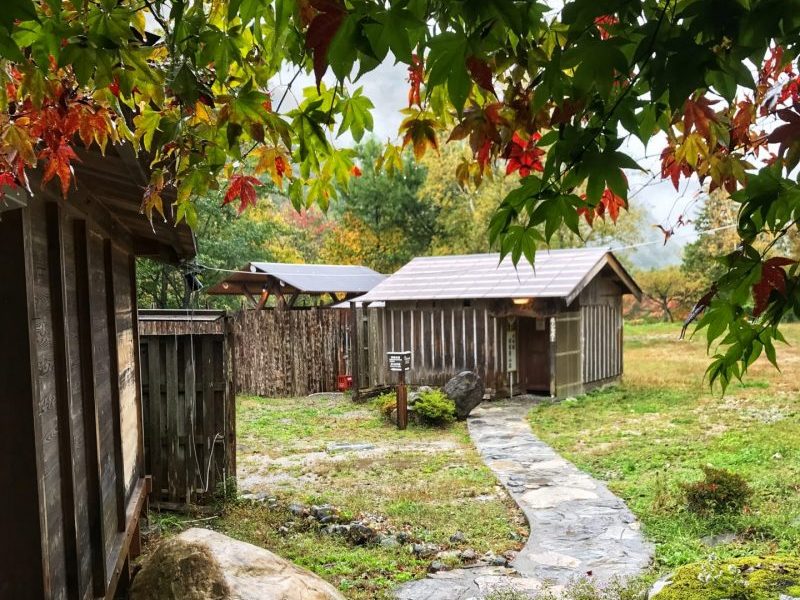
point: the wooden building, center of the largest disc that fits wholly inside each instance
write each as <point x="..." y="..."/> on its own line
<point x="554" y="328"/>
<point x="73" y="471"/>
<point x="286" y="283"/>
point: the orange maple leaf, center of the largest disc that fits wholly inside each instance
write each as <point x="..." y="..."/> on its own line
<point x="58" y="161"/>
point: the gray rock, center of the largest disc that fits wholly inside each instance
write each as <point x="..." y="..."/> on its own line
<point x="425" y="550"/>
<point x="388" y="541"/>
<point x="325" y="513"/>
<point x="468" y="555"/>
<point x="298" y="509"/>
<point x="718" y="539"/>
<point x="258" y="497"/>
<point x="334" y="447"/>
<point x="458" y="538"/>
<point x="404" y="537"/>
<point x="436" y="566"/>
<point x="659" y="585"/>
<point x="785" y="597"/>
<point x="200" y="563"/>
<point x="361" y="534"/>
<point x="466" y="390"/>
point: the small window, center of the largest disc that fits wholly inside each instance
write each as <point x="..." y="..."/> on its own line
<point x="467" y="303"/>
<point x="540" y="325"/>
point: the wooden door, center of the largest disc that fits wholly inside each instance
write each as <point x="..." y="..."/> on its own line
<point x="534" y="355"/>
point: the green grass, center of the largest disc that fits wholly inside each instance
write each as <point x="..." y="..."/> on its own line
<point x="651" y="434"/>
<point x="424" y="480"/>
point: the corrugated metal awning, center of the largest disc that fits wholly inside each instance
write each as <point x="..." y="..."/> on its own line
<point x="556" y="274"/>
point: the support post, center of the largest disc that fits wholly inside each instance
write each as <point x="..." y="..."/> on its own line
<point x="402" y="401"/>
<point x="355" y="352"/>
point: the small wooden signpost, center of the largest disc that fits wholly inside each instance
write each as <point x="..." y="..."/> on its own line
<point x="400" y="362"/>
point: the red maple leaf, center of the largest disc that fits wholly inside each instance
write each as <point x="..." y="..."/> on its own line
<point x="698" y="114"/>
<point x="321" y="30"/>
<point x="7" y="179"/>
<point x="523" y="155"/>
<point x="242" y="187"/>
<point x="481" y="73"/>
<point x="671" y="168"/>
<point x="58" y="164"/>
<point x="773" y="277"/>
<point x="355" y="171"/>
<point x="610" y="203"/>
<point x="415" y="76"/>
<point x="602" y="22"/>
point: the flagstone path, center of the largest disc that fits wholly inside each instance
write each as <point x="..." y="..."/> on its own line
<point x="578" y="527"/>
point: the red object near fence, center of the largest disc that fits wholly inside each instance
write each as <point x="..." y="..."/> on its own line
<point x="344" y="382"/>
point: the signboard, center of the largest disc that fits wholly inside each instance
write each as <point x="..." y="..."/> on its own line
<point x="511" y="350"/>
<point x="399" y="361"/>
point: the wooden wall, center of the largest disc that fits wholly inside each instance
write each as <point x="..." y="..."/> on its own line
<point x="444" y="339"/>
<point x="290" y="352"/>
<point x="189" y="410"/>
<point x="71" y="421"/>
<point x="601" y="331"/>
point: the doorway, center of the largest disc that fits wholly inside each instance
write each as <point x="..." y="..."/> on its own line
<point x="534" y="356"/>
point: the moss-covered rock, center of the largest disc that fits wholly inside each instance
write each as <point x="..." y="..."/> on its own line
<point x="749" y="578"/>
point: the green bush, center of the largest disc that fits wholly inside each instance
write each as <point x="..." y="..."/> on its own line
<point x="435" y="408"/>
<point x="721" y="491"/>
<point x="387" y="403"/>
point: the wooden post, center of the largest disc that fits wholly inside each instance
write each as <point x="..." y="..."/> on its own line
<point x="402" y="401"/>
<point x="355" y="351"/>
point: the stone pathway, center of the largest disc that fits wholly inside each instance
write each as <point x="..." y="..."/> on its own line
<point x="578" y="527"/>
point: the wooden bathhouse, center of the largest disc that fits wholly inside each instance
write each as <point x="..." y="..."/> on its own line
<point x="554" y="328"/>
<point x="73" y="468"/>
<point x="286" y="283"/>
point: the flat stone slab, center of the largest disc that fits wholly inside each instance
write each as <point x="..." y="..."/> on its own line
<point x="578" y="527"/>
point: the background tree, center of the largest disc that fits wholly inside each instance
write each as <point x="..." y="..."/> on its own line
<point x="671" y="289"/>
<point x="383" y="221"/>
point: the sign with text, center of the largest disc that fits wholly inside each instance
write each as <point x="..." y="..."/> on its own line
<point x="399" y="361"/>
<point x="511" y="350"/>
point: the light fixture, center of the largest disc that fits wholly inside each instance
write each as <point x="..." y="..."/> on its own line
<point x="520" y="301"/>
<point x="225" y="285"/>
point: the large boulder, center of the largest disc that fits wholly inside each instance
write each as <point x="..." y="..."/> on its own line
<point x="466" y="390"/>
<point x="200" y="564"/>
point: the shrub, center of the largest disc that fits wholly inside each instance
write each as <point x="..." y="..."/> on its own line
<point x="387" y="403"/>
<point x="435" y="408"/>
<point x="720" y="491"/>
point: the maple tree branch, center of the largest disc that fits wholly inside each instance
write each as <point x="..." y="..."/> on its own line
<point x="288" y="88"/>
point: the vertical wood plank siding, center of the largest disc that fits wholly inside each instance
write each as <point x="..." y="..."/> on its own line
<point x="444" y="340"/>
<point x="297" y="352"/>
<point x="601" y="331"/>
<point x="189" y="408"/>
<point x="69" y="423"/>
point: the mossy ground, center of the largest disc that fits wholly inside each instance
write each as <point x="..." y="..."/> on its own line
<point x="748" y="578"/>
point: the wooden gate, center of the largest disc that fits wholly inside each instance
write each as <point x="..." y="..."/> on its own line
<point x="188" y="403"/>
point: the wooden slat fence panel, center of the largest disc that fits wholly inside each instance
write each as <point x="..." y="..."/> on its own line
<point x="189" y="413"/>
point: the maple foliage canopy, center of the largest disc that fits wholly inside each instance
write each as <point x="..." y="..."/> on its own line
<point x="550" y="94"/>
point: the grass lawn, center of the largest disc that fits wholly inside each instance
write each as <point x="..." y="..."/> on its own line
<point x="650" y="434"/>
<point x="429" y="482"/>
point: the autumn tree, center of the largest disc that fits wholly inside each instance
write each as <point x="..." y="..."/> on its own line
<point x="671" y="289"/>
<point x="716" y="222"/>
<point x="550" y="98"/>
<point x="382" y="218"/>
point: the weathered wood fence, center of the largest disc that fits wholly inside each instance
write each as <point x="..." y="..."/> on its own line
<point x="444" y="340"/>
<point x="188" y="403"/>
<point x="290" y="352"/>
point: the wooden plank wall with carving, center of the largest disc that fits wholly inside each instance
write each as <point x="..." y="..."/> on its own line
<point x="189" y="408"/>
<point x="70" y="419"/>
<point x="290" y="352"/>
